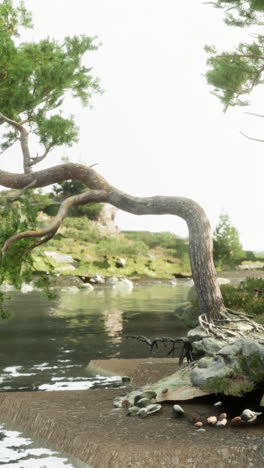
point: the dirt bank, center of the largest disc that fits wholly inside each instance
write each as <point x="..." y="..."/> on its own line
<point x="85" y="424"/>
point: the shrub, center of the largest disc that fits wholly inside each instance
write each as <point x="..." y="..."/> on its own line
<point x="245" y="297"/>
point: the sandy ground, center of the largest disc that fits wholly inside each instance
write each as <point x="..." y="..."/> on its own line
<point x="84" y="424"/>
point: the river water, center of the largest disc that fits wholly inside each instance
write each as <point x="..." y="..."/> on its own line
<point x="48" y="345"/>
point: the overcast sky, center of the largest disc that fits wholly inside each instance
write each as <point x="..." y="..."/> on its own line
<point x="157" y="129"/>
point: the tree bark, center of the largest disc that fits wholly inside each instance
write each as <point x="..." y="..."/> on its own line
<point x="200" y="235"/>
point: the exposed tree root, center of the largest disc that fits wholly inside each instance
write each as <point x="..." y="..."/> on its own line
<point x="227" y="327"/>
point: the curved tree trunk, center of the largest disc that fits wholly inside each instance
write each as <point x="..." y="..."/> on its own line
<point x="200" y="236"/>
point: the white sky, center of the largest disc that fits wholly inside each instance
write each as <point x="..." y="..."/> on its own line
<point x="157" y="130"/>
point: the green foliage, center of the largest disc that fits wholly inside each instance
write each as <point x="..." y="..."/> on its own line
<point x="235" y="73"/>
<point x="17" y="265"/>
<point x="227" y="248"/>
<point x="245" y="297"/>
<point x="241" y="12"/>
<point x="40" y="75"/>
<point x="232" y="76"/>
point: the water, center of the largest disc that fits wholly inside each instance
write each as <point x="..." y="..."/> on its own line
<point x="48" y="345"/>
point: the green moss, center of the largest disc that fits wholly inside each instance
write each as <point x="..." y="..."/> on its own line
<point x="246" y="375"/>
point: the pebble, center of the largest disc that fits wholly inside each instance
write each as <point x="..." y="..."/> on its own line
<point x="221" y="423"/>
<point x="150" y="394"/>
<point x="236" y="420"/>
<point x="164" y="390"/>
<point x="201" y="430"/>
<point x="125" y="404"/>
<point x="133" y="411"/>
<point x="143" y="402"/>
<point x="212" y="420"/>
<point x="222" y="416"/>
<point x="125" y="379"/>
<point x="249" y="416"/>
<point x="198" y="424"/>
<point x="177" y="410"/>
<point x="218" y="403"/>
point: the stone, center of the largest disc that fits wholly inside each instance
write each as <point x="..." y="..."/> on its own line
<point x="142" y="413"/>
<point x="222" y="416"/>
<point x="177" y="411"/>
<point x="58" y="257"/>
<point x="208" y="345"/>
<point x="243" y="357"/>
<point x="218" y="403"/>
<point x="249" y="416"/>
<point x="148" y="394"/>
<point x="221" y="423"/>
<point x="196" y="334"/>
<point x="126" y="379"/>
<point x="152" y="408"/>
<point x="143" y="402"/>
<point x="133" y="411"/>
<point x="198" y="424"/>
<point x="212" y="420"/>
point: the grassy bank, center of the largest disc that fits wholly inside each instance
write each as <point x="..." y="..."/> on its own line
<point x="133" y="254"/>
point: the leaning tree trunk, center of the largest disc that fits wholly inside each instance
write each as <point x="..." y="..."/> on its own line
<point x="200" y="236"/>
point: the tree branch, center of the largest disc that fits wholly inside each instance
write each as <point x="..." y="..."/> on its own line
<point x="241" y="55"/>
<point x="38" y="159"/>
<point x="50" y="231"/>
<point x="251" y="138"/>
<point x="23" y="140"/>
<point x="200" y="235"/>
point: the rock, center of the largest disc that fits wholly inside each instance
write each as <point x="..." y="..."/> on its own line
<point x="143" y="402"/>
<point x="236" y="420"/>
<point x="212" y="420"/>
<point x="177" y="411"/>
<point x="125" y="379"/>
<point x="218" y="403"/>
<point x="99" y="279"/>
<point x="221" y="423"/>
<point x="222" y="416"/>
<point x="120" y="262"/>
<point x="198" y="424"/>
<point x="152" y="408"/>
<point x="125" y="404"/>
<point x="201" y="430"/>
<point x="196" y="334"/>
<point x="262" y="401"/>
<point x="124" y="286"/>
<point x="149" y="394"/>
<point x="58" y="257"/>
<point x="249" y="416"/>
<point x="142" y="413"/>
<point x="133" y="411"/>
<point x="208" y="345"/>
<point x="242" y="357"/>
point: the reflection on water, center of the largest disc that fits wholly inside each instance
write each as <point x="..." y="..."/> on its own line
<point x="47" y="345"/>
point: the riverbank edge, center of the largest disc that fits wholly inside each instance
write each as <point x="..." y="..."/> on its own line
<point x="85" y="425"/>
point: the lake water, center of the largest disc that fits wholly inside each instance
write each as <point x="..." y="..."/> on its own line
<point x="48" y="345"/>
